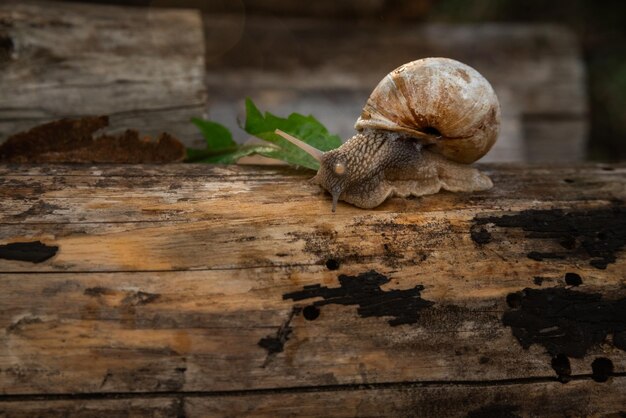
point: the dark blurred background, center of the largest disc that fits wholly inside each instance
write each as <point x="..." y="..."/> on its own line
<point x="599" y="30"/>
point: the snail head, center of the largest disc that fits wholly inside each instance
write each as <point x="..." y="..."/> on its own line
<point x="333" y="174"/>
<point x="342" y="170"/>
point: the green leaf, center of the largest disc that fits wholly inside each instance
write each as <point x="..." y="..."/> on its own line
<point x="195" y="155"/>
<point x="221" y="149"/>
<point x="306" y="128"/>
<point x="218" y="138"/>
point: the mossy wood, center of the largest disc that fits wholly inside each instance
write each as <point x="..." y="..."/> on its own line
<point x="193" y="290"/>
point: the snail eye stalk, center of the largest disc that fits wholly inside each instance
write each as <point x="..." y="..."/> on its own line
<point x="313" y="152"/>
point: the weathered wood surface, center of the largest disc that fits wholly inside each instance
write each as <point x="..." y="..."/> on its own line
<point x="143" y="67"/>
<point x="541" y="399"/>
<point x="181" y="290"/>
<point x="328" y="69"/>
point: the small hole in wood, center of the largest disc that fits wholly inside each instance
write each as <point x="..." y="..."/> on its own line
<point x="568" y="180"/>
<point x="608" y="169"/>
<point x="332" y="264"/>
<point x="311" y="312"/>
<point x="573" y="279"/>
<point x="562" y="367"/>
<point x="602" y="369"/>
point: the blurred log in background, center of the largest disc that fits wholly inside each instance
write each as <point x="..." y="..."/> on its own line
<point x="562" y="86"/>
<point x="600" y="29"/>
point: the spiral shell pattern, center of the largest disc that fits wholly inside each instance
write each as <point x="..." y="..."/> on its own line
<point x="443" y="103"/>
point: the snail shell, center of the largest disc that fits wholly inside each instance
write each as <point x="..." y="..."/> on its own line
<point x="435" y="97"/>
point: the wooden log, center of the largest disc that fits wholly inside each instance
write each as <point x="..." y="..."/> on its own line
<point x="142" y="67"/>
<point x="161" y="407"/>
<point x="545" y="399"/>
<point x="234" y="290"/>
<point x="328" y="69"/>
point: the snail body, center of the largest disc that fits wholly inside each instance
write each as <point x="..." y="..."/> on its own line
<point x="421" y="127"/>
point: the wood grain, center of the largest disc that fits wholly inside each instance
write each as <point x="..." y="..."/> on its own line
<point x="162" y="407"/>
<point x="142" y="67"/>
<point x="176" y="283"/>
<point x="578" y="398"/>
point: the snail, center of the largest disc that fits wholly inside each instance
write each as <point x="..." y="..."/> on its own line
<point x="421" y="127"/>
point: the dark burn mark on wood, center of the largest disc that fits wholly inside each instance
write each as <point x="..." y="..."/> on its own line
<point x="514" y="300"/>
<point x="538" y="280"/>
<point x="275" y="344"/>
<point x="364" y="290"/>
<point x="592" y="234"/>
<point x="480" y="235"/>
<point x="34" y="252"/>
<point x="537" y="256"/>
<point x="562" y="367"/>
<point x="566" y="322"/>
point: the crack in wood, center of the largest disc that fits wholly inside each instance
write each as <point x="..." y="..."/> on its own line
<point x="297" y="389"/>
<point x="175" y="270"/>
<point x="276" y="344"/>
